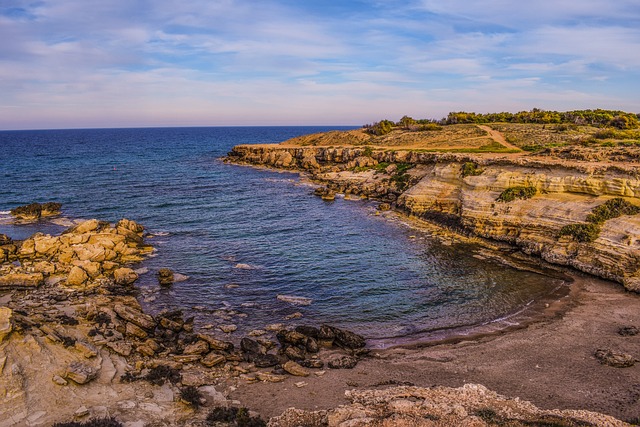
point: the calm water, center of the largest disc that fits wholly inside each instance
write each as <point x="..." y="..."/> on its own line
<point x="362" y="271"/>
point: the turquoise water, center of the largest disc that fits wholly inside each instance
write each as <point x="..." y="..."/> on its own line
<point x="362" y="271"/>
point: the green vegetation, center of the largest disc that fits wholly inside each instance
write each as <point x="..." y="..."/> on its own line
<point x="518" y="192"/>
<point x="471" y="169"/>
<point x="234" y="417"/>
<point x="582" y="232"/>
<point x="368" y="151"/>
<point x="589" y="231"/>
<point x="382" y="127"/>
<point x="612" y="208"/>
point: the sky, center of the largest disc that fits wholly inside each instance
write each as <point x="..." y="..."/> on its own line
<point x="130" y="63"/>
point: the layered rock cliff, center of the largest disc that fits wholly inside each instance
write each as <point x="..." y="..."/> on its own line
<point x="462" y="191"/>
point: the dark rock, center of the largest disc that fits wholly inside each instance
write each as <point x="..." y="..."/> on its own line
<point x="295" y="353"/>
<point x="312" y="345"/>
<point x="248" y="345"/>
<point x="291" y="337"/>
<point x="326" y="336"/>
<point x="311" y="363"/>
<point x="347" y="339"/>
<point x="343" y="362"/>
<point x="614" y="358"/>
<point x="165" y="277"/>
<point x="5" y="240"/>
<point x="266" y="360"/>
<point x="310" y="331"/>
<point x="36" y="210"/>
<point x="628" y="331"/>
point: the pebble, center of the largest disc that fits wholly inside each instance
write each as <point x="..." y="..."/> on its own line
<point x="301" y="384"/>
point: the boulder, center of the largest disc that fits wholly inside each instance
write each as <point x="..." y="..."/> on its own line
<point x="266" y="360"/>
<point x="347" y="339"/>
<point x="46" y="245"/>
<point x="35" y="211"/>
<point x="124" y="276"/>
<point x="130" y="225"/>
<point x="248" y="345"/>
<point x="291" y="337"/>
<point x="5" y="322"/>
<point x="45" y="267"/>
<point x="4" y="239"/>
<point x="21" y="280"/>
<point x="343" y="362"/>
<point x="217" y="344"/>
<point x="77" y="276"/>
<point x="198" y="347"/>
<point x="85" y="227"/>
<point x="165" y="277"/>
<point x="615" y="358"/>
<point x="310" y="331"/>
<point x="134" y="330"/>
<point x="326" y="336"/>
<point x="212" y="359"/>
<point x="80" y="372"/>
<point x="121" y="347"/>
<point x="135" y="316"/>
<point x="295" y="353"/>
<point x="295" y="369"/>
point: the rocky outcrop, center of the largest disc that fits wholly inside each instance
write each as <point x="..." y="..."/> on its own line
<point x="461" y="191"/>
<point x="470" y="405"/>
<point x="35" y="211"/>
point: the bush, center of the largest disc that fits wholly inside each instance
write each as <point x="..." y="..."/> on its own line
<point x="583" y="232"/>
<point x="162" y="373"/>
<point x="191" y="396"/>
<point x="470" y="169"/>
<point x="102" y="422"/>
<point x="368" y="151"/>
<point x="518" y="192"/>
<point x="431" y="127"/>
<point x="610" y="209"/>
<point x="235" y="416"/>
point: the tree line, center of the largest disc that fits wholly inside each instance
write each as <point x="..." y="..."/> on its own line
<point x="599" y="117"/>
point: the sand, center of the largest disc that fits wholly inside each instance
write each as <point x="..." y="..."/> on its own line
<point x="549" y="362"/>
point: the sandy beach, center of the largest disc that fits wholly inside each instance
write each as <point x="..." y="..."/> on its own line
<point x="550" y="362"/>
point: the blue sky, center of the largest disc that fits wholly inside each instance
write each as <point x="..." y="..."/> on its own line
<point x="122" y="63"/>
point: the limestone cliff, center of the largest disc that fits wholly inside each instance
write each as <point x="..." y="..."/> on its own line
<point x="436" y="188"/>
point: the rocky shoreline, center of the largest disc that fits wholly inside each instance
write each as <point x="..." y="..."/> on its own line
<point x="70" y="325"/>
<point x="464" y="193"/>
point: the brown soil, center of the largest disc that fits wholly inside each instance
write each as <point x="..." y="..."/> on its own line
<point x="551" y="362"/>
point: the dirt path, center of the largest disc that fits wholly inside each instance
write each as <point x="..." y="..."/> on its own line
<point x="498" y="137"/>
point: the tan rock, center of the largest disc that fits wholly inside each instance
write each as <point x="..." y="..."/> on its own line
<point x="87" y="350"/>
<point x="45" y="267"/>
<point x="121" y="347"/>
<point x="46" y="245"/>
<point x="198" y="347"/>
<point x="27" y="248"/>
<point x="21" y="280"/>
<point x="216" y="344"/>
<point x="135" y="331"/>
<point x="295" y="369"/>
<point x="77" y="276"/>
<point x="186" y="358"/>
<point x="130" y="225"/>
<point x="124" y="276"/>
<point x="80" y="372"/>
<point x="106" y="240"/>
<point x="85" y="227"/>
<point x="135" y="316"/>
<point x="212" y="359"/>
<point x="269" y="377"/>
<point x="5" y="322"/>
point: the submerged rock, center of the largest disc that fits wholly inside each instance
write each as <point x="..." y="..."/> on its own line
<point x="165" y="277"/>
<point x="35" y="211"/>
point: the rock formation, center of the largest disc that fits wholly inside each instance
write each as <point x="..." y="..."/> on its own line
<point x="462" y="192"/>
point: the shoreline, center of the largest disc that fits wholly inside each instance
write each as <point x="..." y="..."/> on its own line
<point x="548" y="362"/>
<point x="508" y="360"/>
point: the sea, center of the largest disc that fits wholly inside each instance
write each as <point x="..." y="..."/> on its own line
<point x="256" y="246"/>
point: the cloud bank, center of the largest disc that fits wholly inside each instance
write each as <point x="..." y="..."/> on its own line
<point x="90" y="63"/>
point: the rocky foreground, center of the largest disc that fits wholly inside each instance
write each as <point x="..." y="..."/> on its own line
<point x="577" y="212"/>
<point x="75" y="345"/>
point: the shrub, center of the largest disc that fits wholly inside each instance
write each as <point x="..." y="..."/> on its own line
<point x="235" y="416"/>
<point x="191" y="396"/>
<point x="518" y="192"/>
<point x="368" y="151"/>
<point x="162" y="373"/>
<point x="612" y="208"/>
<point x="102" y="422"/>
<point x="470" y="169"/>
<point x="583" y="232"/>
<point x="431" y="127"/>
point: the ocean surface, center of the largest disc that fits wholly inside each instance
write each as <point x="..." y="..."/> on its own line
<point x="244" y="236"/>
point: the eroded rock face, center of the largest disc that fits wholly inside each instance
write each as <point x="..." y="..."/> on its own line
<point x="470" y="405"/>
<point x="436" y="190"/>
<point x="5" y="322"/>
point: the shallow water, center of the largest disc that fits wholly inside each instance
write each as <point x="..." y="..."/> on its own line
<point x="243" y="236"/>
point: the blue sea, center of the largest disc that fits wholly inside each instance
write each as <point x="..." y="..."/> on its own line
<point x="366" y="272"/>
